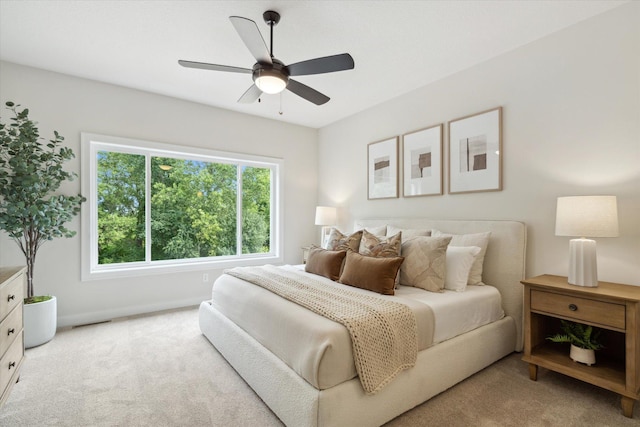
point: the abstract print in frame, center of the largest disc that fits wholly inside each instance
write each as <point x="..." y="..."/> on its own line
<point x="422" y="162"/>
<point x="382" y="169"/>
<point x="475" y="152"/>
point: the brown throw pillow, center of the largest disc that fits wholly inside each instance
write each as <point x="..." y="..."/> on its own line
<point x="341" y="242"/>
<point x="325" y="263"/>
<point x="381" y="247"/>
<point x="373" y="274"/>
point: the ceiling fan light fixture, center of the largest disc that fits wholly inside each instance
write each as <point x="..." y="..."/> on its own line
<point x="270" y="82"/>
<point x="270" y="75"/>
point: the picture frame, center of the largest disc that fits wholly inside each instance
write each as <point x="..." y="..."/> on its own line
<point x="382" y="169"/>
<point x="475" y="152"/>
<point x="422" y="162"/>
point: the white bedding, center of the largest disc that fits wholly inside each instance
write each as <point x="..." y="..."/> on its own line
<point x="458" y="312"/>
<point x="318" y="349"/>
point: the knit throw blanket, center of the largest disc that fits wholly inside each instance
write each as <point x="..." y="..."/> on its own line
<point x="383" y="332"/>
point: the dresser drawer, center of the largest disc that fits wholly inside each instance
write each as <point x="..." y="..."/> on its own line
<point x="11" y="294"/>
<point x="10" y="362"/>
<point x="10" y="327"/>
<point x="579" y="309"/>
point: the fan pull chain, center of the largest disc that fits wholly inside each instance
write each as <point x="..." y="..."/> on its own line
<point x="280" y="111"/>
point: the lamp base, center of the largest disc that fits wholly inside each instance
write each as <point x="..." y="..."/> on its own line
<point x="324" y="236"/>
<point x="583" y="266"/>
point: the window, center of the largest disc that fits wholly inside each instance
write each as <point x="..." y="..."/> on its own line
<point x="159" y="207"/>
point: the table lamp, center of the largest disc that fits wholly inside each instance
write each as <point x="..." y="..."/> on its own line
<point x="325" y="216"/>
<point x="585" y="216"/>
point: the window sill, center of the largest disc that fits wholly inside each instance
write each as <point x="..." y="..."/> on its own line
<point x="114" y="272"/>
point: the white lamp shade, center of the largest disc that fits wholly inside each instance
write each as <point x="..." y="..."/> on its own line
<point x="325" y="215"/>
<point x="587" y="216"/>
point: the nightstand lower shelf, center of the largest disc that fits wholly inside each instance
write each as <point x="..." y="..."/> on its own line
<point x="605" y="373"/>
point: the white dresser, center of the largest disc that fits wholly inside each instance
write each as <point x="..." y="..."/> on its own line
<point x="12" y="285"/>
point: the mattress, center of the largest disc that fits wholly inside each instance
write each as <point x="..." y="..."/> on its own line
<point x="318" y="349"/>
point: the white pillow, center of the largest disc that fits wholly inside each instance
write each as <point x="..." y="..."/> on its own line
<point x="459" y="261"/>
<point x="380" y="230"/>
<point x="407" y="233"/>
<point x="480" y="240"/>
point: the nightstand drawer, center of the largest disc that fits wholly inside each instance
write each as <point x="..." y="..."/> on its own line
<point x="592" y="311"/>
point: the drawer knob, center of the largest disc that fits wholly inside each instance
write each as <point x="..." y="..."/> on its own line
<point x="11" y="331"/>
<point x="573" y="307"/>
<point x="11" y="297"/>
<point x="12" y="365"/>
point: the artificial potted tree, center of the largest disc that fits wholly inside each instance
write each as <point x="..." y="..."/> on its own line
<point x="583" y="339"/>
<point x="31" y="210"/>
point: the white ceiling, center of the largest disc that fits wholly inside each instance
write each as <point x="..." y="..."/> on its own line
<point x="397" y="46"/>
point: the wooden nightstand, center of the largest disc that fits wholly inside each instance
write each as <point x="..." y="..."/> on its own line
<point x="613" y="307"/>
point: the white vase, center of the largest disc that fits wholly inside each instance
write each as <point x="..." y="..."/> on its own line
<point x="583" y="355"/>
<point x="40" y="322"/>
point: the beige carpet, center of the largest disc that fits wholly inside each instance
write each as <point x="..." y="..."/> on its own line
<point x="159" y="370"/>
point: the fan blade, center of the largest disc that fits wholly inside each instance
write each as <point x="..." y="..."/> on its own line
<point x="250" y="35"/>
<point x="307" y="93"/>
<point x="327" y="64"/>
<point x="216" y="67"/>
<point x="251" y="95"/>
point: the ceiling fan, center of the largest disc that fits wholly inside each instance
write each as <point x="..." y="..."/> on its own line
<point x="270" y="75"/>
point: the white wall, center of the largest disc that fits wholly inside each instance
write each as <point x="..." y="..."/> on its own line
<point x="71" y="105"/>
<point x="571" y="126"/>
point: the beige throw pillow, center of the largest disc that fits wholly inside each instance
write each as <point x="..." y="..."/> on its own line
<point x="342" y="242"/>
<point x="380" y="247"/>
<point x="424" y="263"/>
<point x="480" y="240"/>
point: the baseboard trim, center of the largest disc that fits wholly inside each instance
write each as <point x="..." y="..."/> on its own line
<point x="111" y="314"/>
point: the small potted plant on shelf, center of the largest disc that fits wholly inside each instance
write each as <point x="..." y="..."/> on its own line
<point x="32" y="211"/>
<point x="583" y="339"/>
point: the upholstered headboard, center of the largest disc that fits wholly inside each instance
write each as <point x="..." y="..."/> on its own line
<point x="504" y="262"/>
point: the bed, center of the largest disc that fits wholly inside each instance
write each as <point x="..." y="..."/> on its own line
<point x="303" y="393"/>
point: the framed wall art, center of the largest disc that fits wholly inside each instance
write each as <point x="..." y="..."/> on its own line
<point x="382" y="169"/>
<point x="422" y="162"/>
<point x="475" y="152"/>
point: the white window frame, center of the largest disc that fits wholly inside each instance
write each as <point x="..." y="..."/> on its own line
<point x="91" y="270"/>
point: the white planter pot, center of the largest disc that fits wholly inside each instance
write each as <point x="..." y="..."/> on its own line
<point x="583" y="355"/>
<point x="40" y="322"/>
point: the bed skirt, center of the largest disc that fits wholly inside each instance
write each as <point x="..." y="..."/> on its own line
<point x="297" y="403"/>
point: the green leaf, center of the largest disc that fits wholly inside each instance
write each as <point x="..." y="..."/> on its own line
<point x="583" y="336"/>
